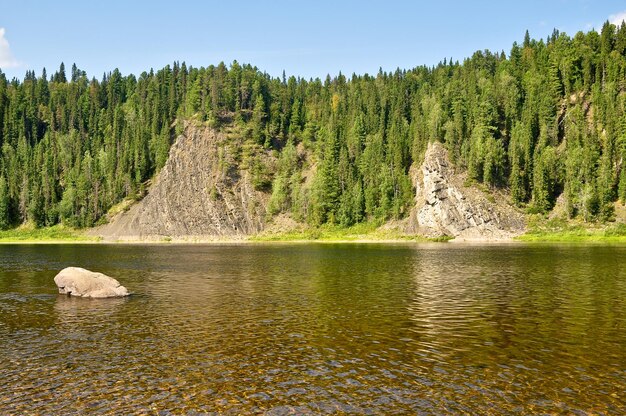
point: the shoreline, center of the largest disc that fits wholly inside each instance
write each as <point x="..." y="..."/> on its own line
<point x="524" y="239"/>
<point x="208" y="242"/>
<point x="546" y="233"/>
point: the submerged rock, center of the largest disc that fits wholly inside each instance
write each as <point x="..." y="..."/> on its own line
<point x="76" y="281"/>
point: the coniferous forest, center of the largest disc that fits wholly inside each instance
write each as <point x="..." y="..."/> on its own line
<point x="546" y="119"/>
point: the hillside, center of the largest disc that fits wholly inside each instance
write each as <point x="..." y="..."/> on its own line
<point x="200" y="192"/>
<point x="206" y="192"/>
<point x="541" y="126"/>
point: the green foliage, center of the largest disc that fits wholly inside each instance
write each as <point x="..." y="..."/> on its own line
<point x="162" y="148"/>
<point x="29" y="234"/>
<point x="4" y="204"/>
<point x="366" y="231"/>
<point x="261" y="176"/>
<point x="548" y="119"/>
<point x="285" y="182"/>
<point x="545" y="178"/>
<point x="562" y="231"/>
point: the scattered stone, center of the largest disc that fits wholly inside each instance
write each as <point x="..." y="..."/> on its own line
<point x="80" y="282"/>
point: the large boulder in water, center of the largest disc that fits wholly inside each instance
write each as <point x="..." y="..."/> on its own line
<point x="76" y="281"/>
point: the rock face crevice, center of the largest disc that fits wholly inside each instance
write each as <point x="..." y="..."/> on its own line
<point x="445" y="206"/>
<point x="200" y="192"/>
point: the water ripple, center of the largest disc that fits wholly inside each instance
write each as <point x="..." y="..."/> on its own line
<point x="310" y="329"/>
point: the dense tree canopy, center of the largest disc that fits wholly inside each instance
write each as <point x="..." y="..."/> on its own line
<point x="548" y="119"/>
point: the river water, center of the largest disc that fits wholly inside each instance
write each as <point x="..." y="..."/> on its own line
<point x="317" y="328"/>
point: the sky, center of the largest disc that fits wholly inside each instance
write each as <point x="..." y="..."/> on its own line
<point x="308" y="39"/>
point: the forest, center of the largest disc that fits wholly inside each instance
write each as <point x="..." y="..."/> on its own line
<point x="546" y="119"/>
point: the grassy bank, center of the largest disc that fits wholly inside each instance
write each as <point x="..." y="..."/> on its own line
<point x="336" y="233"/>
<point x="327" y="233"/>
<point x="539" y="230"/>
<point x="31" y="234"/>
<point x="561" y="231"/>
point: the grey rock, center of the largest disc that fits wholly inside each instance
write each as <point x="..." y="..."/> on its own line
<point x="203" y="190"/>
<point x="80" y="282"/>
<point x="445" y="206"/>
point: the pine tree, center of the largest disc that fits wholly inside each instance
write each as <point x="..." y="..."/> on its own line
<point x="163" y="147"/>
<point x="548" y="120"/>
<point x="5" y="219"/>
<point x="258" y="119"/>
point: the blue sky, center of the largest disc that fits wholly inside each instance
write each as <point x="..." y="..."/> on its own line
<point x="309" y="39"/>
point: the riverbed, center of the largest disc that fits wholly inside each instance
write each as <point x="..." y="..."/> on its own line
<point x="317" y="328"/>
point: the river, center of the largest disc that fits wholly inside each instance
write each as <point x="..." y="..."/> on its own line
<point x="317" y="328"/>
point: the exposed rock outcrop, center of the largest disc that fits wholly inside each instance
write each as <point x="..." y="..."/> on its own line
<point x="201" y="192"/>
<point x="205" y="191"/>
<point x="80" y="282"/>
<point x="445" y="206"/>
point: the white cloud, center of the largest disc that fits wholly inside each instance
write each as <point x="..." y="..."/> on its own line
<point x="6" y="57"/>
<point x="618" y="18"/>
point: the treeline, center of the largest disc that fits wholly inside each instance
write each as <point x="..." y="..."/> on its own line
<point x="548" y="119"/>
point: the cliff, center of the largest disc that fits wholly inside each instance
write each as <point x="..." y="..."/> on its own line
<point x="444" y="205"/>
<point x="205" y="191"/>
<point x="202" y="191"/>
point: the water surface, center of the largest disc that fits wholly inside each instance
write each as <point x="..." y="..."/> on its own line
<point x="317" y="328"/>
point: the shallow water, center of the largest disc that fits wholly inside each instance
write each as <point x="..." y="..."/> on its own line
<point x="317" y="328"/>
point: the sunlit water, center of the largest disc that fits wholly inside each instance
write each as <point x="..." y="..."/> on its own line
<point x="316" y="328"/>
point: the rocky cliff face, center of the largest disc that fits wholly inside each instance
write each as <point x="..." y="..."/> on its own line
<point x="200" y="192"/>
<point x="204" y="191"/>
<point x="445" y="206"/>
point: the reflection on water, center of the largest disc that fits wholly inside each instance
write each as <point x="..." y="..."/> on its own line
<point x="284" y="329"/>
